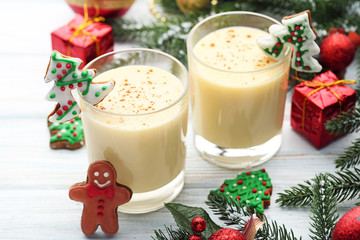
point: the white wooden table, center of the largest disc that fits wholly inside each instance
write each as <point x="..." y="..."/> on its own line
<point x="34" y="180"/>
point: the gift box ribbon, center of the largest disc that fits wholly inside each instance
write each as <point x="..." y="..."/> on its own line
<point x="319" y="86"/>
<point x="79" y="31"/>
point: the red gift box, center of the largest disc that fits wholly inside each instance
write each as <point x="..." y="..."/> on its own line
<point x="83" y="39"/>
<point x="317" y="101"/>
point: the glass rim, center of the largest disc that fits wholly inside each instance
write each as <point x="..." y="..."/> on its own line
<point x="184" y="92"/>
<point x="191" y="49"/>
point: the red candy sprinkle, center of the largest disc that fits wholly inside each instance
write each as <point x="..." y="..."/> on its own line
<point x="254" y="190"/>
<point x="59" y="112"/>
<point x="101" y="202"/>
<point x="70" y="102"/>
<point x="298" y="54"/>
<point x="72" y="121"/>
<point x="58" y="65"/>
<point x="74" y="134"/>
<point x="278" y="44"/>
<point x="59" y="77"/>
<point x="264" y="183"/>
<point x="248" y="173"/>
<point x="100" y="208"/>
<point x="266" y="193"/>
<point x="65" y="108"/>
<point x="58" y="136"/>
<point x="64" y="71"/>
<point x="68" y="65"/>
<point x="290" y="39"/>
<point x="307" y="68"/>
<point x="222" y="190"/>
<point x="79" y="84"/>
<point x="300" y="39"/>
<point x="62" y="88"/>
<point x="240" y="182"/>
<point x="71" y="86"/>
<point x="263" y="170"/>
<point x="238" y="198"/>
<point x="293" y="33"/>
<point x="275" y="51"/>
<point x="74" y="127"/>
<point x="297" y="27"/>
<point x="298" y="63"/>
<point x="100" y="214"/>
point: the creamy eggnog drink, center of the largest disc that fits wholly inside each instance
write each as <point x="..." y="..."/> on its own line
<point x="140" y="127"/>
<point x="238" y="94"/>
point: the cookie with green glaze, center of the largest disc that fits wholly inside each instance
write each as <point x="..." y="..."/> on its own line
<point x="68" y="135"/>
<point x="252" y="189"/>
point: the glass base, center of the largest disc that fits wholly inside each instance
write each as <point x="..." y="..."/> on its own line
<point x="154" y="200"/>
<point x="237" y="158"/>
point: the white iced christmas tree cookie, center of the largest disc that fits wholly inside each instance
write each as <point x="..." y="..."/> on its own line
<point x="297" y="31"/>
<point x="67" y="76"/>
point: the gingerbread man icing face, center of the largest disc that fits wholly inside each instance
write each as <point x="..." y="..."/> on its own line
<point x="101" y="175"/>
<point x="101" y="195"/>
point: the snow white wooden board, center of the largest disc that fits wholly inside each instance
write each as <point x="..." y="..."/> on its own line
<point x="35" y="180"/>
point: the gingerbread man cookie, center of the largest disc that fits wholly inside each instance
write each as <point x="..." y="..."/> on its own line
<point x="101" y="195"/>
<point x="67" y="76"/>
<point x="297" y="31"/>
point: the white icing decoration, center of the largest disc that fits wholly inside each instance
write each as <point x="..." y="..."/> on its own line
<point x="65" y="98"/>
<point x="260" y="179"/>
<point x="257" y="199"/>
<point x="244" y="187"/>
<point x="281" y="31"/>
<point x="227" y="193"/>
<point x="260" y="192"/>
<point x="96" y="174"/>
<point x="106" y="174"/>
<point x="102" y="184"/>
<point x="247" y="201"/>
<point x="234" y="184"/>
<point x="252" y="176"/>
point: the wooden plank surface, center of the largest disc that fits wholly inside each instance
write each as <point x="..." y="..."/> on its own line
<point x="34" y="180"/>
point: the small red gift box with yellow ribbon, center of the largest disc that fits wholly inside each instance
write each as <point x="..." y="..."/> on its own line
<point x="84" y="38"/>
<point x="317" y="101"/>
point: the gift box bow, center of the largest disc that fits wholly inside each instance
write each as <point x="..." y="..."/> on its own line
<point x="85" y="29"/>
<point x="323" y="84"/>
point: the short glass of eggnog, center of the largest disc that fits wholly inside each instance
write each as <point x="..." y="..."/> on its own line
<point x="237" y="93"/>
<point x="141" y="126"/>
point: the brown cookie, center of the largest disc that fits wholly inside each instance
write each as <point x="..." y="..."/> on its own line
<point x="67" y="135"/>
<point x="309" y="17"/>
<point x="101" y="195"/>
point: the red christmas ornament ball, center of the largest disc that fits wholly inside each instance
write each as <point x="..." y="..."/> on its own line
<point x="198" y="224"/>
<point x="348" y="227"/>
<point x="195" y="237"/>
<point x="114" y="8"/>
<point x="227" y="234"/>
<point x="337" y="51"/>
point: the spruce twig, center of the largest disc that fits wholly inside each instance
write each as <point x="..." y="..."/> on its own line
<point x="323" y="208"/>
<point x="345" y="122"/>
<point x="171" y="234"/>
<point x="350" y="157"/>
<point x="345" y="184"/>
<point x="233" y="214"/>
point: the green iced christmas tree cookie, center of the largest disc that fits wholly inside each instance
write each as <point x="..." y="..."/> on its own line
<point x="251" y="189"/>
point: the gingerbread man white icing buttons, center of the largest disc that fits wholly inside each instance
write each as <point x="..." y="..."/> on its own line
<point x="101" y="195"/>
<point x="297" y="31"/>
<point x="67" y="76"/>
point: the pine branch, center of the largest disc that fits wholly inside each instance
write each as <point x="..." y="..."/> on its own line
<point x="345" y="184"/>
<point x="323" y="208"/>
<point x="171" y="234"/>
<point x="345" y="122"/>
<point x="350" y="157"/>
<point x="233" y="214"/>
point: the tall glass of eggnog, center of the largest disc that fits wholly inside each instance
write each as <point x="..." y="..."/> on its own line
<point x="237" y="93"/>
<point x="141" y="126"/>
